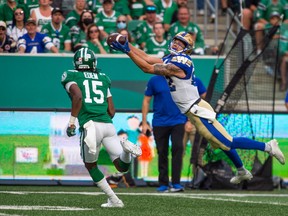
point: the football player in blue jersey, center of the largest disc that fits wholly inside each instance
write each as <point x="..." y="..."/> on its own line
<point x="178" y="69"/>
<point x="35" y="42"/>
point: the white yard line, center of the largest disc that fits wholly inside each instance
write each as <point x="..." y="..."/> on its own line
<point x="47" y="208"/>
<point x="151" y="194"/>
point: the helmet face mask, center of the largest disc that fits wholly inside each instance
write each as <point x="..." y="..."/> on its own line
<point x="187" y="39"/>
<point x="85" y="59"/>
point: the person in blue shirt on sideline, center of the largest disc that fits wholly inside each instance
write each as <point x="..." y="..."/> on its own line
<point x="168" y="122"/>
<point x="35" y="42"/>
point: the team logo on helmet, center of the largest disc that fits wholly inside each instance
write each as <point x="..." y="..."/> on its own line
<point x="85" y="59"/>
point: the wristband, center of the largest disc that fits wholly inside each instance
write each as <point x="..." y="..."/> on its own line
<point x="72" y="120"/>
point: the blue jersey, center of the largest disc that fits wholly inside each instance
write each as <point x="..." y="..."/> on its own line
<point x="184" y="91"/>
<point x="165" y="111"/>
<point x="286" y="98"/>
<point x="38" y="44"/>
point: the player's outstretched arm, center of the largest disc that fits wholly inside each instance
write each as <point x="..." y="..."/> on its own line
<point x="149" y="59"/>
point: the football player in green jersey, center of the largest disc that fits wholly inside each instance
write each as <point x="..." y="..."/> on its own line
<point x="92" y="104"/>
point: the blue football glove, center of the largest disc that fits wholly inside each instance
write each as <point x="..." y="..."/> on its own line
<point x="123" y="48"/>
<point x="71" y="130"/>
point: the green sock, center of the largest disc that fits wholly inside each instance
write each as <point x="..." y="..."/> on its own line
<point x="124" y="166"/>
<point x="96" y="174"/>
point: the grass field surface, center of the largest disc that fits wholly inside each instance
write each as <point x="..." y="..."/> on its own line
<point x="82" y="201"/>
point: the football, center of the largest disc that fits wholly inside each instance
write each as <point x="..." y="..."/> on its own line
<point x="116" y="37"/>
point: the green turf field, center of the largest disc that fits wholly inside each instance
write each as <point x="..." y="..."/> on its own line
<point x="82" y="201"/>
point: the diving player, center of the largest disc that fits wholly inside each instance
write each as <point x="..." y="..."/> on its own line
<point x="178" y="69"/>
<point x="92" y="104"/>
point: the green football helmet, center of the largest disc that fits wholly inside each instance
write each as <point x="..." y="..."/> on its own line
<point x="85" y="59"/>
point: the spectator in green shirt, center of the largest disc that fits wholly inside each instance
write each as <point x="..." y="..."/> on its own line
<point x="145" y="29"/>
<point x="94" y="41"/>
<point x="58" y="32"/>
<point x="106" y="19"/>
<point x="184" y="24"/>
<point x="157" y="45"/>
<point x="73" y="17"/>
<point x="7" y="11"/>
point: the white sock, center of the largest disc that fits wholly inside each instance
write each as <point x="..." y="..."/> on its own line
<point x="125" y="157"/>
<point x="267" y="147"/>
<point x="105" y="187"/>
<point x="241" y="169"/>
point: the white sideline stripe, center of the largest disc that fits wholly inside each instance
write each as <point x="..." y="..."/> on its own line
<point x="50" y="208"/>
<point x="2" y="214"/>
<point x="150" y="194"/>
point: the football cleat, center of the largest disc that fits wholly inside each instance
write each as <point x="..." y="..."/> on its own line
<point x="131" y="147"/>
<point x="275" y="151"/>
<point x="241" y="176"/>
<point x="163" y="189"/>
<point x="176" y="188"/>
<point x="110" y="204"/>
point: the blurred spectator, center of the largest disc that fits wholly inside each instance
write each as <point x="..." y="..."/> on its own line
<point x="125" y="33"/>
<point x="286" y="101"/>
<point x="58" y="32"/>
<point x="145" y="29"/>
<point x="162" y="6"/>
<point x="283" y="50"/>
<point x="79" y="32"/>
<point x="224" y="7"/>
<point x="7" y="11"/>
<point x="170" y="15"/>
<point x="7" y="44"/>
<point x="200" y="8"/>
<point x="249" y="13"/>
<point x="94" y="41"/>
<point x="73" y="17"/>
<point x="157" y="44"/>
<point x="42" y="14"/>
<point x="145" y="141"/>
<point x="31" y="4"/>
<point x="264" y="10"/>
<point x="137" y="9"/>
<point x="121" y="6"/>
<point x="33" y="41"/>
<point x="121" y="22"/>
<point x="184" y="24"/>
<point x="106" y="19"/>
<point x="18" y="25"/>
<point x="94" y="6"/>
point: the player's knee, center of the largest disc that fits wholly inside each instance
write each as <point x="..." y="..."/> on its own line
<point x="90" y="166"/>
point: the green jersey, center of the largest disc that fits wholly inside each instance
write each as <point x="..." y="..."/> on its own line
<point x="161" y="8"/>
<point x="137" y="9"/>
<point x="191" y="27"/>
<point x="121" y="6"/>
<point x="143" y="32"/>
<point x="267" y="7"/>
<point x="72" y="19"/>
<point x="107" y="23"/>
<point x="169" y="14"/>
<point x="154" y="47"/>
<point x="95" y="48"/>
<point x="94" y="5"/>
<point x="95" y="88"/>
<point x="31" y="4"/>
<point x="59" y="37"/>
